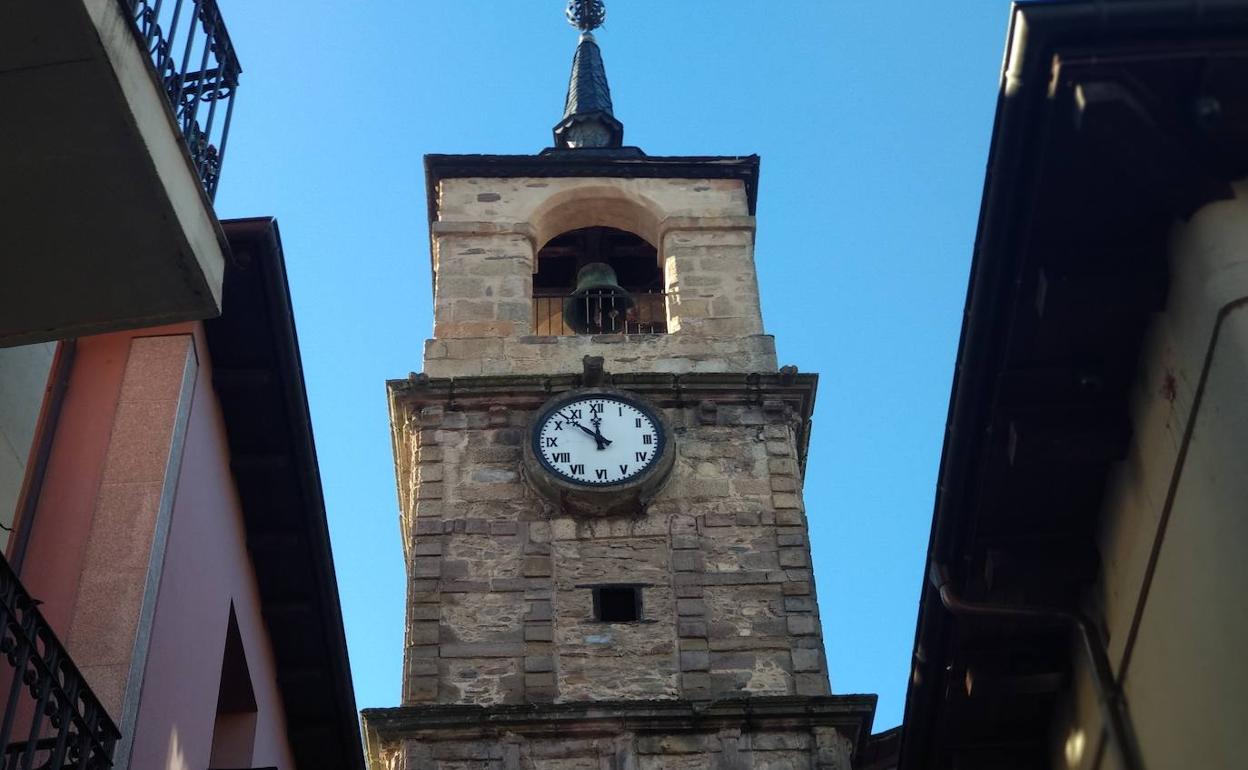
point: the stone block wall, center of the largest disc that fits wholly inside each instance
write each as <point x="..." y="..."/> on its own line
<point x="489" y="231"/>
<point x="501" y="581"/>
<point x="710" y="279"/>
<point x="678" y="353"/>
<point x="483" y="284"/>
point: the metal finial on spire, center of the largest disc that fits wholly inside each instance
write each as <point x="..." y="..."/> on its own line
<point x="586" y="15"/>
<point x="588" y="121"/>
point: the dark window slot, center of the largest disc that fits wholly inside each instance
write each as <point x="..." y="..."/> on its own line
<point x="617" y="604"/>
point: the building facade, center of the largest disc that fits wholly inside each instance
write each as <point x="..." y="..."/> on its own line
<point x="635" y="596"/>
<point x="167" y="593"/>
<point x="1083" y="608"/>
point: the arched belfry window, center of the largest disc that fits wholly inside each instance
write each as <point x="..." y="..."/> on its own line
<point x="574" y="294"/>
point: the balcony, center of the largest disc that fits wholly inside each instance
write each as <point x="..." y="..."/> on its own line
<point x="116" y="119"/>
<point x="50" y="719"/>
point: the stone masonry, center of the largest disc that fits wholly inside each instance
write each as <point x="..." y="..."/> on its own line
<point x="780" y="734"/>
<point x="488" y="232"/>
<point x="501" y="581"/>
<point x="506" y="665"/>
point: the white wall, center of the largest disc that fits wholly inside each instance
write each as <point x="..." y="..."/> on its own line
<point x="1175" y="524"/>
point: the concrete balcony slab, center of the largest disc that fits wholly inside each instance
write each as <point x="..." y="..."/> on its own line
<point x="104" y="224"/>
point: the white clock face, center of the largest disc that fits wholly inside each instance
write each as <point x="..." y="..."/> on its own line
<point x="598" y="441"/>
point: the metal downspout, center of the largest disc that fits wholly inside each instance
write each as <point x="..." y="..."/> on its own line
<point x="1108" y="693"/>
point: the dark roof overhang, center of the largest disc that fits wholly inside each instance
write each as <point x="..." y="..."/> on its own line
<point x="258" y="378"/>
<point x="1115" y="120"/>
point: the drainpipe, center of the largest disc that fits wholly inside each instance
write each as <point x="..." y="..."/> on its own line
<point x="1108" y="693"/>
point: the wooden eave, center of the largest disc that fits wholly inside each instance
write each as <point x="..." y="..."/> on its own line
<point x="1115" y="121"/>
<point x="258" y="378"/>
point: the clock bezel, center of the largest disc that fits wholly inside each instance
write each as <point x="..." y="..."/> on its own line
<point x="606" y="497"/>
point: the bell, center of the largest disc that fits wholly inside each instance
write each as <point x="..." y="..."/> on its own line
<point x="599" y="305"/>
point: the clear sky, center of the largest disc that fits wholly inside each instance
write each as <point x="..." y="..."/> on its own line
<point x="872" y="118"/>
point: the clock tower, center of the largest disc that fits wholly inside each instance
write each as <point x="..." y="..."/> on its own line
<point x="600" y="473"/>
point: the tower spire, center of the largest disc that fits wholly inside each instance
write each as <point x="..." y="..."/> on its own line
<point x="588" y="121"/>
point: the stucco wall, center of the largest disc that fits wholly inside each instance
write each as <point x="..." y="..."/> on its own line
<point x="97" y="554"/>
<point x="1174" y="529"/>
<point x="62" y="522"/>
<point x="207" y="568"/>
<point x="23" y="378"/>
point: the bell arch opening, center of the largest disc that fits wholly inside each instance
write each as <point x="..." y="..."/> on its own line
<point x="598" y="280"/>
<point x="597" y="205"/>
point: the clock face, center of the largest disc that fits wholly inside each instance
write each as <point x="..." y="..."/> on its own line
<point x="598" y="440"/>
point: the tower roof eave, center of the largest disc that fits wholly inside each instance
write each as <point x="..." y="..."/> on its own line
<point x="621" y="162"/>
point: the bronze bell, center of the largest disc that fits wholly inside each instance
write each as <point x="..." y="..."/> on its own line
<point x="599" y="305"/>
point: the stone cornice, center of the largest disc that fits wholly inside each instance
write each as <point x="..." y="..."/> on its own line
<point x="784" y="396"/>
<point x="851" y="715"/>
<point x="674" y="390"/>
<point x="787" y="393"/>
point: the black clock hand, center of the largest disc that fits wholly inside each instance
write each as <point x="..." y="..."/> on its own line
<point x="602" y="442"/>
<point x="596" y="437"/>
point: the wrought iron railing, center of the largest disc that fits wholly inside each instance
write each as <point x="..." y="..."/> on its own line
<point x="197" y="66"/>
<point x="648" y="314"/>
<point x="57" y="720"/>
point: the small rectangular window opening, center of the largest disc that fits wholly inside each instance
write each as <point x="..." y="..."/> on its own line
<point x="617" y="604"/>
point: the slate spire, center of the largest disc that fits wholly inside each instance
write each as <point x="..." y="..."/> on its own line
<point x="588" y="121"/>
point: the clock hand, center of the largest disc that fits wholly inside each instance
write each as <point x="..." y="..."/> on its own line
<point x="602" y="442"/>
<point x="597" y="437"/>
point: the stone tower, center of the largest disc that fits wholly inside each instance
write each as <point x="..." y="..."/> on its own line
<point x="634" y="616"/>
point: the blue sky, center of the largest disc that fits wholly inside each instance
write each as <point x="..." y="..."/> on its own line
<point x="872" y="119"/>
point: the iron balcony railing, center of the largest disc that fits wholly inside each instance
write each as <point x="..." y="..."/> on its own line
<point x="648" y="315"/>
<point x="56" y="719"/>
<point x="198" y="69"/>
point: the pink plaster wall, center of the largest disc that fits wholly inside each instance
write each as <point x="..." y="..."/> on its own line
<point x="206" y="567"/>
<point x="206" y="562"/>
<point x="62" y="520"/>
<point x="108" y="623"/>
